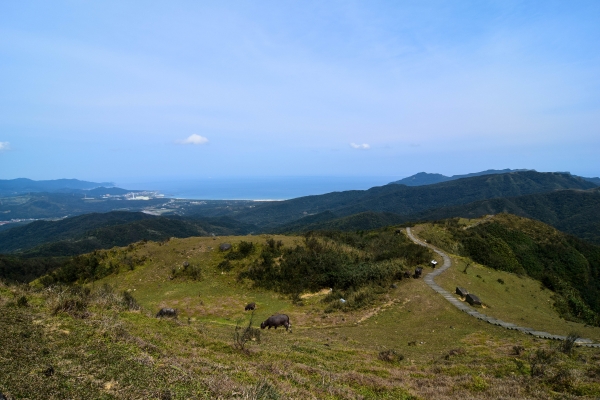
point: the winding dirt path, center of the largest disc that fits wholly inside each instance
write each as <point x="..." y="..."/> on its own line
<point x="471" y="311"/>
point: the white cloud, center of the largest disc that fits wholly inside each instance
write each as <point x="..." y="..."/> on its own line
<point x="4" y="146"/>
<point x="363" y="146"/>
<point x="194" y="139"/>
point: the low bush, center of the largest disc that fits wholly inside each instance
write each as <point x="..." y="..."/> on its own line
<point x="244" y="335"/>
<point x="391" y="356"/>
<point x="345" y="262"/>
<point x="567" y="346"/>
<point x="540" y="361"/>
<point x="241" y="251"/>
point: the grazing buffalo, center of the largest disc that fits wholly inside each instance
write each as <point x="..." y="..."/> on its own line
<point x="277" y="320"/>
<point x="167" y="312"/>
<point x="418" y="272"/>
<point x="250" y="307"/>
<point x="473" y="300"/>
<point x="225" y="246"/>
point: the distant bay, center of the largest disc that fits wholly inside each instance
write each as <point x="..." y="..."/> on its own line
<point x="256" y="188"/>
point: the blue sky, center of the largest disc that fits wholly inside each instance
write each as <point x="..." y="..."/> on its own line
<point x="142" y="90"/>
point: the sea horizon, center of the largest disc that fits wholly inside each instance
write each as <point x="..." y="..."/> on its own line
<point x="256" y="188"/>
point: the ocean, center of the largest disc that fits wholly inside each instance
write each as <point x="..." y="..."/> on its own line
<point x="256" y="188"/>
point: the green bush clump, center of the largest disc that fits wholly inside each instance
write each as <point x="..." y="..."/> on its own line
<point x="350" y="263"/>
<point x="241" y="251"/>
<point x="188" y="270"/>
<point x="91" y="267"/>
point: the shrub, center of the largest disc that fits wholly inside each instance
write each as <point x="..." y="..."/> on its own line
<point x="225" y="265"/>
<point x="263" y="390"/>
<point x="390" y="356"/>
<point x="193" y="272"/>
<point x="242" y="250"/>
<point x="243" y="335"/>
<point x="74" y="305"/>
<point x="129" y="301"/>
<point x="22" y="301"/>
<point x="540" y="361"/>
<point x="568" y="345"/>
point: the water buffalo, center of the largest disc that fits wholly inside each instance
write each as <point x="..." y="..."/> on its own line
<point x="250" y="307"/>
<point x="277" y="320"/>
<point x="167" y="312"/>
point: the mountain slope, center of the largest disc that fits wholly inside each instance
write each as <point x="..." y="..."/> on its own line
<point x="53" y="205"/>
<point x="12" y="187"/>
<point x="565" y="264"/>
<point x="85" y="233"/>
<point x="570" y="211"/>
<point x="330" y="221"/>
<point x="425" y="178"/>
<point x="405" y="200"/>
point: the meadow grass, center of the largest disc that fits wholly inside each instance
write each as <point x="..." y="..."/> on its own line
<point x="507" y="296"/>
<point x="113" y="352"/>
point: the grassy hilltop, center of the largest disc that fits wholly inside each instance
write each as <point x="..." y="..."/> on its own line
<point x="100" y="339"/>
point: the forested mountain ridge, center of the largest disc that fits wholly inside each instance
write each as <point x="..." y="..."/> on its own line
<point x="11" y="187"/>
<point x="571" y="211"/>
<point x="405" y="200"/>
<point x="88" y="232"/>
<point x="425" y="178"/>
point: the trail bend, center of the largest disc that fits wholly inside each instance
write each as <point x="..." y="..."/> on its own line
<point x="429" y="280"/>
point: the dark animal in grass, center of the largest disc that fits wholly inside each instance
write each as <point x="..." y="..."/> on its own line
<point x="167" y="312"/>
<point x="225" y="246"/>
<point x="406" y="274"/>
<point x="418" y="272"/>
<point x="473" y="300"/>
<point x="49" y="371"/>
<point x="250" y="307"/>
<point x="277" y="320"/>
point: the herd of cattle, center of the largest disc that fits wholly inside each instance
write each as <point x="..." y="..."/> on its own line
<point x="274" y="321"/>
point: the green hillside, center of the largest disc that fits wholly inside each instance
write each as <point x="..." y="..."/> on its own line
<point x="89" y="232"/>
<point x="101" y="340"/>
<point x="404" y="200"/>
<point x="330" y="221"/>
<point x="58" y="205"/>
<point x="564" y="264"/>
<point x="571" y="211"/>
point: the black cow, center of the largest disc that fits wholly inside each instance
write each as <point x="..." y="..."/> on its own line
<point x="167" y="312"/>
<point x="277" y="320"/>
<point x="418" y="272"/>
<point x="250" y="307"/>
